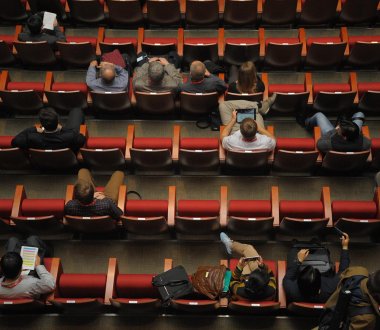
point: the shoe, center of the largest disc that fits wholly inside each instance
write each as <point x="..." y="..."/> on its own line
<point x="227" y="242"/>
<point x="272" y="99"/>
<point x="266" y="105"/>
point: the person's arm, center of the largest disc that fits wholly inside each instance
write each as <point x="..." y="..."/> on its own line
<point x="173" y="73"/>
<point x="220" y="85"/>
<point x="344" y="261"/>
<point x="115" y="211"/>
<point x="21" y="139"/>
<point x="45" y="283"/>
<point x="91" y="74"/>
<point x="59" y="34"/>
<point x="122" y="76"/>
<point x="263" y="131"/>
<point x="227" y="130"/>
<point x="235" y="283"/>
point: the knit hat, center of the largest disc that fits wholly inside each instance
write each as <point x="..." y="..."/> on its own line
<point x="373" y="283"/>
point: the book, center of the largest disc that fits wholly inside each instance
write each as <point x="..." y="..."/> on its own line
<point x="28" y="255"/>
<point x="48" y="20"/>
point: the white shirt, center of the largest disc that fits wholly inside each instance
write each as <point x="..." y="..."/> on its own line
<point x="236" y="141"/>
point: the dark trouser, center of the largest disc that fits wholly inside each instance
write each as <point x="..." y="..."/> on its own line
<point x="292" y="256"/>
<point x="14" y="245"/>
<point x="75" y="119"/>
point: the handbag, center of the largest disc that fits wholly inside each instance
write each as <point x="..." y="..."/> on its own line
<point x="209" y="280"/>
<point x="172" y="284"/>
<point x="114" y="57"/>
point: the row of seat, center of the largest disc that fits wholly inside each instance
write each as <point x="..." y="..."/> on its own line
<point x="28" y="97"/>
<point x="134" y="293"/>
<point x="197" y="219"/>
<point x="293" y="50"/>
<point x="164" y="155"/>
<point x="195" y="13"/>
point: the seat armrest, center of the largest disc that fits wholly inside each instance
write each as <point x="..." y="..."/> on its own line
<point x="261" y="40"/>
<point x="309" y="87"/>
<point x="69" y="193"/>
<point x="181" y="34"/>
<point x="302" y="38"/>
<point x="130" y="137"/>
<point x="344" y="38"/>
<point x="376" y="199"/>
<point x="317" y="136"/>
<point x="223" y="207"/>
<point x="275" y="206"/>
<point x="19" y="196"/>
<point x="171" y="206"/>
<point x="168" y="264"/>
<point x="100" y="38"/>
<point x="264" y="78"/>
<point x="176" y="139"/>
<point x="112" y="273"/>
<point x="222" y="152"/>
<point x="326" y="200"/>
<point x="281" y="274"/>
<point x="140" y="38"/>
<point x="4" y="79"/>
<point x="354" y="84"/>
<point x="56" y="271"/>
<point x="122" y="197"/>
<point x="270" y="129"/>
<point x="221" y="38"/>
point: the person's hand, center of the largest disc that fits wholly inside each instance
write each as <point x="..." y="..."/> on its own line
<point x="104" y="64"/>
<point x="234" y="115"/>
<point x="59" y="127"/>
<point x="99" y="195"/>
<point x="55" y="23"/>
<point x="94" y="63"/>
<point x="207" y="73"/>
<point x="163" y="61"/>
<point x="38" y="261"/>
<point x="153" y="59"/>
<point x="345" y="241"/>
<point x="39" y="129"/>
<point x="242" y="263"/>
<point x="260" y="262"/>
<point x="302" y="254"/>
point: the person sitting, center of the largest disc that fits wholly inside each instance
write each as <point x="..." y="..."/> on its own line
<point x="345" y="137"/>
<point x="157" y="76"/>
<point x="16" y="285"/>
<point x="250" y="136"/>
<point x="87" y="202"/>
<point x="51" y="134"/>
<point x="202" y="81"/>
<point x="34" y="31"/>
<point x="308" y="284"/>
<point x="251" y="279"/>
<point x="112" y="78"/>
<point x="245" y="79"/>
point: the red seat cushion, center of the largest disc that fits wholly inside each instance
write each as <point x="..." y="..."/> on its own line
<point x="6" y="207"/>
<point x="295" y="144"/>
<point x="110" y="40"/>
<point x="91" y="40"/>
<point x="197" y="41"/>
<point x="22" y="86"/>
<point x="368" y="86"/>
<point x="375" y="145"/>
<point x="106" y="143"/>
<point x="323" y="40"/>
<point x="199" y="143"/>
<point x="282" y="41"/>
<point x="82" y="285"/>
<point x="146" y="208"/>
<point x="353" y="39"/>
<point x="198" y="208"/>
<point x="42" y="207"/>
<point x="69" y="86"/>
<point x="239" y="41"/>
<point x="249" y="208"/>
<point x="354" y="209"/>
<point x="152" y="143"/>
<point x="301" y="209"/>
<point x="136" y="286"/>
<point x="7" y="38"/>
<point x="286" y="88"/>
<point x="6" y="141"/>
<point x="161" y="41"/>
<point x="331" y="87"/>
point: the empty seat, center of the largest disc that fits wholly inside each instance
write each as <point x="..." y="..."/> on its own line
<point x="324" y="52"/>
<point x="283" y="52"/>
<point x="127" y="12"/>
<point x="202" y="13"/>
<point x="126" y="45"/>
<point x="248" y="160"/>
<point x="255" y="97"/>
<point x="163" y="13"/>
<point x="358" y="11"/>
<point x="107" y="103"/>
<point x="200" y="49"/>
<point x="345" y="162"/>
<point x="159" y="46"/>
<point x="90" y="225"/>
<point x="78" y="54"/>
<point x="153" y="103"/>
<point x="6" y="55"/>
<point x="52" y="6"/>
<point x="240" y="12"/>
<point x="12" y="158"/>
<point x="375" y="148"/>
<point x="240" y="50"/>
<point x="58" y="160"/>
<point x="37" y="53"/>
<point x="316" y="12"/>
<point x="13" y="10"/>
<point x="89" y="11"/>
<point x="369" y="94"/>
<point x="279" y="12"/>
<point x="200" y="104"/>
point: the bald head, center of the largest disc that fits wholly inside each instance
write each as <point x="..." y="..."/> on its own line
<point x="197" y="71"/>
<point x="108" y="73"/>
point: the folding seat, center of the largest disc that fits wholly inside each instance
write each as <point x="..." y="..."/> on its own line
<point x="77" y="51"/>
<point x="149" y="218"/>
<point x="164" y="12"/>
<point x="364" y="50"/>
<point x="198" y="155"/>
<point x="282" y="52"/>
<point x="131" y="293"/>
<point x="12" y="158"/>
<point x="79" y="293"/>
<point x="316" y="12"/>
<point x="37" y="53"/>
<point x="199" y="103"/>
<point x="295" y="154"/>
<point x="369" y="94"/>
<point x="357" y="218"/>
<point x="375" y="149"/>
<point x="104" y="153"/>
<point x="247" y="306"/>
<point x="251" y="217"/>
<point x="108" y="103"/>
<point x="324" y="52"/>
<point x="25" y="305"/>
<point x="52" y="6"/>
<point x="13" y="11"/>
<point x="147" y="154"/>
<point x="7" y="36"/>
<point x="6" y="205"/>
<point x="278" y="12"/>
<point x="161" y="42"/>
<point x="64" y="96"/>
<point x="334" y="97"/>
<point x="127" y="12"/>
<point x="54" y="160"/>
<point x="358" y="11"/>
<point x="89" y="11"/>
<point x="37" y="216"/>
<point x="240" y="12"/>
<point x="152" y="103"/>
<point x="305" y="217"/>
<point x="291" y="97"/>
<point x="202" y="13"/>
<point x="23" y="97"/>
<point x="255" y="97"/>
<point x="199" y="217"/>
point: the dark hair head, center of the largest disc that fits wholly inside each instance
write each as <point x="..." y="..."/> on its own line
<point x="258" y="280"/>
<point x="373" y="285"/>
<point x="247" y="77"/>
<point x="156" y="72"/>
<point x="11" y="265"/>
<point x="309" y="281"/>
<point x="197" y="71"/>
<point x="48" y="119"/>
<point x="248" y="128"/>
<point x="34" y="24"/>
<point x="349" y="130"/>
<point x="84" y="192"/>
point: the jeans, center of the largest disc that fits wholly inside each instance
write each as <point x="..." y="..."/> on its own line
<point x="320" y="120"/>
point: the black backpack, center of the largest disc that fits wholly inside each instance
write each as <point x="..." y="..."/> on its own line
<point x="319" y="258"/>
